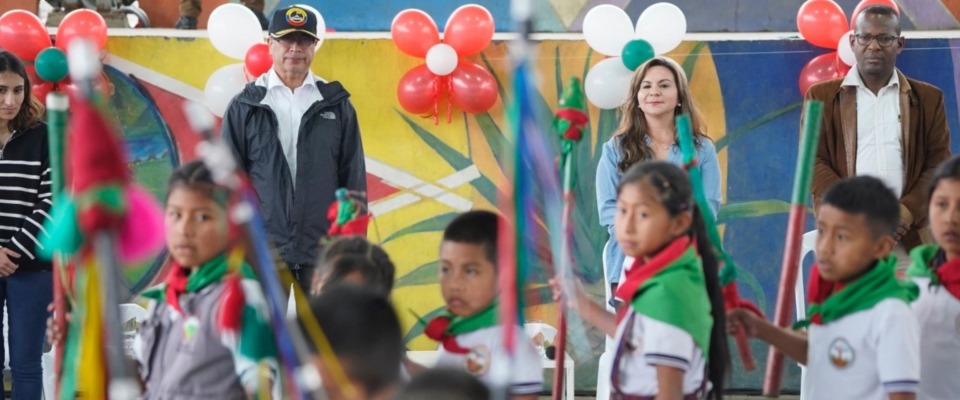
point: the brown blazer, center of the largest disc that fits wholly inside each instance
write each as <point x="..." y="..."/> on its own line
<point x="925" y="141"/>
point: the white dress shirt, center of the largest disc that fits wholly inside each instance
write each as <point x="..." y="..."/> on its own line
<point x="879" y="135"/>
<point x="289" y="106"/>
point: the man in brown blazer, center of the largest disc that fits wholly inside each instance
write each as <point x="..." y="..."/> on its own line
<point x="878" y="122"/>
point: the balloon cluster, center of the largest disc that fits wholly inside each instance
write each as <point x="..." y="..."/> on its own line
<point x="235" y="32"/>
<point x="444" y="74"/>
<point x="609" y="31"/>
<point x="823" y="24"/>
<point x="22" y="34"/>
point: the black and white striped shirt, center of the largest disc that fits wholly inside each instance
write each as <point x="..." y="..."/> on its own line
<point x="25" y="197"/>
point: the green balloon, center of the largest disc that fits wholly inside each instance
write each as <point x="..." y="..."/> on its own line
<point x="51" y="65"/>
<point x="635" y="53"/>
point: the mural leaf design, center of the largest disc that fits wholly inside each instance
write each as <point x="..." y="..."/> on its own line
<point x="691" y="61"/>
<point x="750" y="126"/>
<point x="422" y="275"/>
<point x="458" y="161"/>
<point x="500" y="88"/>
<point x="434" y="224"/>
<point x="493" y="134"/>
<point x="751" y="209"/>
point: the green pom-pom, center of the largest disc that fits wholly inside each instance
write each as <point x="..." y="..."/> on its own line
<point x="65" y="236"/>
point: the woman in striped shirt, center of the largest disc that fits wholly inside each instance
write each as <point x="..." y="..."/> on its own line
<point x="25" y="279"/>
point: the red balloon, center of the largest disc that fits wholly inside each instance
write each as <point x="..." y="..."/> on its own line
<point x="469" y="30"/>
<point x="32" y="74"/>
<point x="258" y="60"/>
<point x="472" y="88"/>
<point x="414" y="32"/>
<point x="40" y="90"/>
<point x="820" y="69"/>
<point x="22" y="34"/>
<point x="841" y="67"/>
<point x="418" y="91"/>
<point x="822" y="23"/>
<point x="82" y="23"/>
<point x="867" y="3"/>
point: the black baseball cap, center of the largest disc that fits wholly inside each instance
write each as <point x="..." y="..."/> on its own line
<point x="293" y="19"/>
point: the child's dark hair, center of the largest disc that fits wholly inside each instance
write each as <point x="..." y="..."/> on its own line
<point x="444" y="383"/>
<point x="364" y="332"/>
<point x="868" y="196"/>
<point x="672" y="189"/>
<point x="381" y="276"/>
<point x="196" y="176"/>
<point x="949" y="169"/>
<point x="475" y="227"/>
<point x="340" y="268"/>
<point x="31" y="111"/>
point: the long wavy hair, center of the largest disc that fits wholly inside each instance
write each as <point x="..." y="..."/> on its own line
<point x="31" y="111"/>
<point x="633" y="123"/>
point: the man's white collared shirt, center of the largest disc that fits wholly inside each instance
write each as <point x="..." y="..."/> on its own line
<point x="289" y="106"/>
<point x="879" y="137"/>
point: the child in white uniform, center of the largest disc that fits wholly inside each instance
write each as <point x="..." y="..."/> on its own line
<point x="936" y="270"/>
<point x="863" y="341"/>
<point x="469" y="332"/>
<point x="671" y="335"/>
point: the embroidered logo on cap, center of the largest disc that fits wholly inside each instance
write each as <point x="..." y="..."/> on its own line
<point x="296" y="17"/>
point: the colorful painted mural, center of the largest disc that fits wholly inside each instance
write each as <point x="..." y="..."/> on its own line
<point x="420" y="173"/>
<point x="567" y="15"/>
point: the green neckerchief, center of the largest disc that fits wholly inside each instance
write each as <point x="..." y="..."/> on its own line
<point x="677" y="295"/>
<point x="878" y="284"/>
<point x="920" y="267"/>
<point x="483" y="319"/>
<point x="210" y="272"/>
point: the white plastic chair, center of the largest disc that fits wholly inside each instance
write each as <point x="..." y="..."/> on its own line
<point x="542" y="334"/>
<point x="807" y="246"/>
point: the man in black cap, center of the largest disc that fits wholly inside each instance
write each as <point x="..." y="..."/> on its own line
<point x="298" y="138"/>
<point x="190" y="10"/>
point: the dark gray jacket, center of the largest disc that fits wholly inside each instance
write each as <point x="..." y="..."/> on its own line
<point x="329" y="156"/>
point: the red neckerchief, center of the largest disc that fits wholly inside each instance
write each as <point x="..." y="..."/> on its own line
<point x="820" y="290"/>
<point x="436" y="329"/>
<point x="176" y="285"/>
<point x="640" y="271"/>
<point x="949" y="275"/>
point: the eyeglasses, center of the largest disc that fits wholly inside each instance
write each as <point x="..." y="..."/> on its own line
<point x="302" y="41"/>
<point x="882" y="40"/>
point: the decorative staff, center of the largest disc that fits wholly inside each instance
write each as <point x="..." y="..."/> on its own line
<point x="812" y="119"/>
<point x="728" y="274"/>
<point x="570" y="122"/>
<point x="57" y="105"/>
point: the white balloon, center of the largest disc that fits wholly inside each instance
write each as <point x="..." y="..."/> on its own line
<point x="607" y="29"/>
<point x="233" y="28"/>
<point x="222" y="86"/>
<point x="663" y="25"/>
<point x="442" y="59"/>
<point x="607" y="83"/>
<point x="844" y="51"/>
<point x="321" y="24"/>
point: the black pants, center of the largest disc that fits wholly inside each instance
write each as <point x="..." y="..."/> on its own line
<point x="303" y="274"/>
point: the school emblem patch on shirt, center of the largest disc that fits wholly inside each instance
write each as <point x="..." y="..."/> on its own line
<point x="841" y="353"/>
<point x="477" y="362"/>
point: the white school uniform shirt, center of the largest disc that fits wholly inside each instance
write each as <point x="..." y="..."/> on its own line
<point x="289" y="106"/>
<point x="879" y="135"/>
<point x="865" y="355"/>
<point x="484" y="359"/>
<point x="654" y="343"/>
<point x="938" y="314"/>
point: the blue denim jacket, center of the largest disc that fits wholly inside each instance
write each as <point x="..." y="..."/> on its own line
<point x="608" y="178"/>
